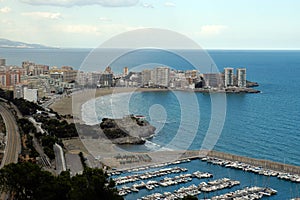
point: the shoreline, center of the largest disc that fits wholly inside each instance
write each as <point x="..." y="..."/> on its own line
<point x="66" y="106"/>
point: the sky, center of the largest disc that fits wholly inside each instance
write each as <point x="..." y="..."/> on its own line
<point x="213" y="24"/>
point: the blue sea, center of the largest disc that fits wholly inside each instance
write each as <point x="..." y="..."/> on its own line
<point x="264" y="125"/>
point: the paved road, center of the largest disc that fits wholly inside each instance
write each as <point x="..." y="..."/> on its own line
<point x="13" y="144"/>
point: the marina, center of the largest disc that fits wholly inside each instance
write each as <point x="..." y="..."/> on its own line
<point x="207" y="178"/>
<point x="243" y="194"/>
<point x="247" y="193"/>
<point x="254" y="169"/>
<point x="261" y="167"/>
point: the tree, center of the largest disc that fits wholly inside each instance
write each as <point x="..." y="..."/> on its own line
<point x="6" y="94"/>
<point x="189" y="197"/>
<point x="26" y="126"/>
<point x="49" y="152"/>
<point x="86" y="186"/>
<point x="29" y="181"/>
<point x="26" y="107"/>
<point x="25" y="181"/>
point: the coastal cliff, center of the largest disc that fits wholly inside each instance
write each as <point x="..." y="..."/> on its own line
<point x="127" y="130"/>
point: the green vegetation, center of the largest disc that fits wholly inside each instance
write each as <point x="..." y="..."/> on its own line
<point x="47" y="143"/>
<point x="26" y="107"/>
<point x="30" y="148"/>
<point x="57" y="128"/>
<point x="27" y="128"/>
<point x="2" y="125"/>
<point x="189" y="197"/>
<point x="6" y="94"/>
<point x="29" y="181"/>
<point x="82" y="159"/>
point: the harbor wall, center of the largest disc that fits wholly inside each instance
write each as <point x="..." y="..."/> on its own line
<point x="252" y="161"/>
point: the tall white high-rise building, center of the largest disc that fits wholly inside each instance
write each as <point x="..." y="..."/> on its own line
<point x="147" y="77"/>
<point x="228" y="76"/>
<point x="241" y="77"/>
<point x="162" y="76"/>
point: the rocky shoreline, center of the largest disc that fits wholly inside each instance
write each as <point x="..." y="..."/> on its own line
<point x="127" y="130"/>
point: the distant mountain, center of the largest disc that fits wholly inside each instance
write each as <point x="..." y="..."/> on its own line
<point x="4" y="43"/>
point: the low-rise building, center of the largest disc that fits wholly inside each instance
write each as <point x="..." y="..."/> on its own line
<point x="213" y="80"/>
<point x="31" y="94"/>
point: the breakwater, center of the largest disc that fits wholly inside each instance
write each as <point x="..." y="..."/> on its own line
<point x="194" y="154"/>
<point x="252" y="161"/>
<point x="199" y="154"/>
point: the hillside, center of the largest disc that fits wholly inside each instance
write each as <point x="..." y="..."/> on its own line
<point x="4" y="43"/>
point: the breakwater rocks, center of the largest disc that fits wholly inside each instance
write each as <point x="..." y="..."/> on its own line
<point x="127" y="130"/>
<point x="252" y="84"/>
<point x="227" y="90"/>
<point x="280" y="167"/>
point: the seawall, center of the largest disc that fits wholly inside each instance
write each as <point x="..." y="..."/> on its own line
<point x="252" y="161"/>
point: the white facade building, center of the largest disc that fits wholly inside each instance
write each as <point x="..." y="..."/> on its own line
<point x="162" y="76"/>
<point x="241" y="77"/>
<point x="228" y="76"/>
<point x="30" y="94"/>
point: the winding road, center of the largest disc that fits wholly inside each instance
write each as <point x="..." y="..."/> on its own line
<point x="13" y="142"/>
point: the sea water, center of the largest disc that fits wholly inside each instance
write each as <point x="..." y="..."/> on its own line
<point x="264" y="125"/>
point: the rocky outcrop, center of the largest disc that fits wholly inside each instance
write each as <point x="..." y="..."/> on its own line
<point x="128" y="130"/>
<point x="241" y="90"/>
<point x="252" y="84"/>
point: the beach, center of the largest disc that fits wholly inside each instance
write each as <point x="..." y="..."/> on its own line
<point x="67" y="106"/>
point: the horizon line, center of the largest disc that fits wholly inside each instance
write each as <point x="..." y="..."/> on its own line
<point x="252" y="49"/>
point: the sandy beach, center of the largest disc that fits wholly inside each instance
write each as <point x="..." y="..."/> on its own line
<point x="71" y="105"/>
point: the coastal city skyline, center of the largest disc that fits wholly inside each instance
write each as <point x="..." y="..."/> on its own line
<point x="213" y="24"/>
<point x="148" y="100"/>
<point x="34" y="81"/>
<point x="67" y="121"/>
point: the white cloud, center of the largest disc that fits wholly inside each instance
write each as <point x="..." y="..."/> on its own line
<point x="170" y="4"/>
<point x="5" y="10"/>
<point x="212" y="30"/>
<point x="47" y="15"/>
<point x="7" y="22"/>
<point x="70" y="3"/>
<point x="105" y="19"/>
<point x="86" y="29"/>
<point x="94" y="30"/>
<point x="147" y="5"/>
